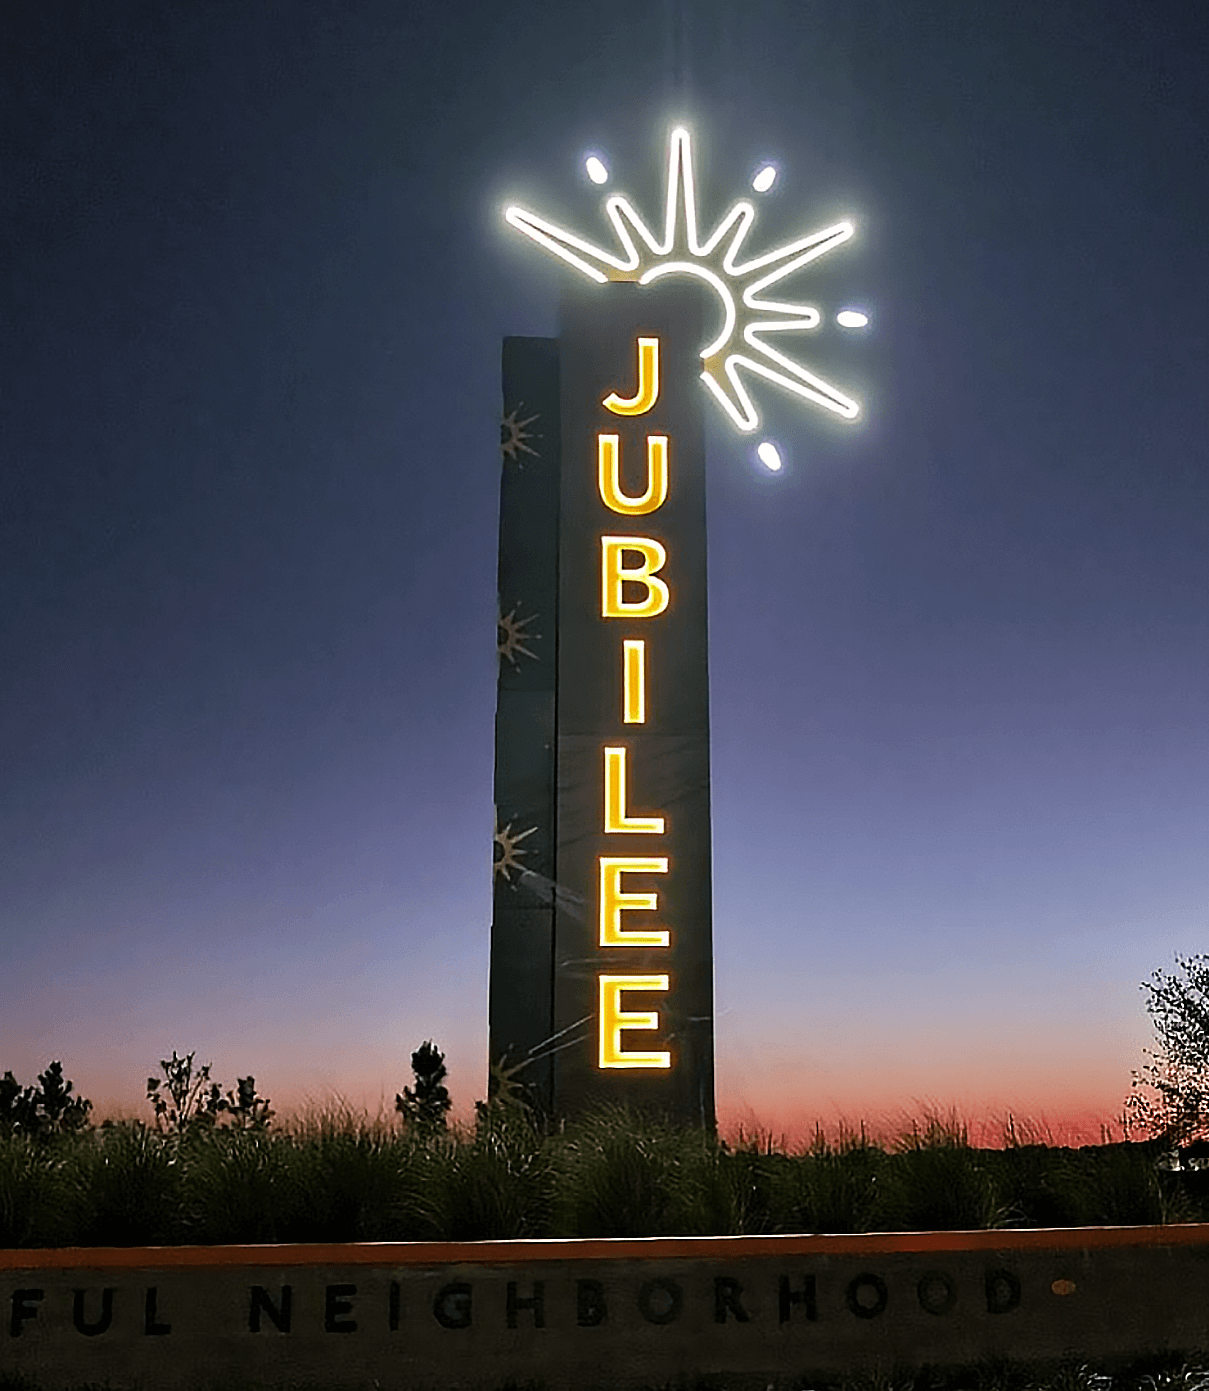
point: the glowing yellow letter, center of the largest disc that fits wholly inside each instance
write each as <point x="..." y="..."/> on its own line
<point x="633" y="680"/>
<point x="615" y="818"/>
<point x="609" y="462"/>
<point x="648" y="382"/>
<point x="613" y="902"/>
<point x="613" y="574"/>
<point x="613" y="1019"/>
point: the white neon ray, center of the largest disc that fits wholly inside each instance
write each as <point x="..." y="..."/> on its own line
<point x="647" y="255"/>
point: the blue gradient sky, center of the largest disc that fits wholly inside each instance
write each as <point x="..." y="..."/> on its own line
<point x="248" y="487"/>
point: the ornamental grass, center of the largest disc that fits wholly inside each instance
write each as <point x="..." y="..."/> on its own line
<point x="336" y="1176"/>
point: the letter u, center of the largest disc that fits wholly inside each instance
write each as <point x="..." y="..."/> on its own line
<point x="609" y="471"/>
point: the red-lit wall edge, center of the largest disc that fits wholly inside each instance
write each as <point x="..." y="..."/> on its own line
<point x="428" y="1253"/>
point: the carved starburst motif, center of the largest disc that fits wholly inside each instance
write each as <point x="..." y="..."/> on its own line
<point x="515" y="435"/>
<point x="511" y="635"/>
<point x="748" y="316"/>
<point x="506" y="856"/>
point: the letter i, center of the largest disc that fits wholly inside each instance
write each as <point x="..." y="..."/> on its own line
<point x="634" y="680"/>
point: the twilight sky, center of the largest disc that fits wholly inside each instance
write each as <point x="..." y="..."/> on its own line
<point x="255" y="282"/>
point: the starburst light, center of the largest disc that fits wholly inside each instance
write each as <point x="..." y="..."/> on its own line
<point x="509" y="856"/>
<point x="512" y="633"/>
<point x="740" y="284"/>
<point x="515" y="435"/>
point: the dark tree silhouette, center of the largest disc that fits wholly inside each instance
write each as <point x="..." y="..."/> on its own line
<point x="1169" y="1098"/>
<point x="425" y="1107"/>
<point x="18" y="1110"/>
<point x="47" y="1109"/>
<point x="189" y="1100"/>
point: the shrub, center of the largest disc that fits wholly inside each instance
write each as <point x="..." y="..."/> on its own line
<point x="829" y="1188"/>
<point x="47" y="1109"/>
<point x="425" y="1108"/>
<point x="623" y="1172"/>
<point x="129" y="1187"/>
<point x="34" y="1210"/>
<point x="496" y="1182"/>
<point x="355" y="1180"/>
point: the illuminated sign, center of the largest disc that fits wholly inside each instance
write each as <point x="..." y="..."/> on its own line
<point x="613" y="1020"/>
<point x="601" y="949"/>
<point x="749" y="317"/>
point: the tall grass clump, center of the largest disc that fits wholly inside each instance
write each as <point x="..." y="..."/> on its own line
<point x="35" y="1193"/>
<point x="829" y="1186"/>
<point x="934" y="1180"/>
<point x="336" y="1175"/>
<point x="350" y="1178"/>
<point x="625" y="1172"/>
<point x="1128" y="1189"/>
<point x="495" y="1180"/>
<point x="128" y="1187"/>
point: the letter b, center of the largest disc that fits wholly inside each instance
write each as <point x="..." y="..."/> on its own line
<point x="614" y="575"/>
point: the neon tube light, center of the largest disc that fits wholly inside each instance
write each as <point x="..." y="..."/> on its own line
<point x="646" y="256"/>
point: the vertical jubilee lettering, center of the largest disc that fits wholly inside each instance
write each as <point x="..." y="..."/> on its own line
<point x="617" y="572"/>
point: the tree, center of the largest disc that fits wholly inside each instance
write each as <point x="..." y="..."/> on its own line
<point x="247" y="1110"/>
<point x="18" y="1110"/>
<point x="191" y="1101"/>
<point x="47" y="1109"/>
<point x="425" y="1107"/>
<point x="1169" y="1098"/>
<point x="59" y="1110"/>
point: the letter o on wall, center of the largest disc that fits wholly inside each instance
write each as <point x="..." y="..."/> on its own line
<point x="936" y="1292"/>
<point x="866" y="1308"/>
<point x="659" y="1301"/>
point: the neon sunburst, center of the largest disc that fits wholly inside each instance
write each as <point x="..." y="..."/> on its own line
<point x="741" y="285"/>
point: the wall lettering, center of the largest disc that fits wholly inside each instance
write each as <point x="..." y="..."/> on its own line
<point x="787" y="1297"/>
<point x="727" y="1293"/>
<point x="278" y="1313"/>
<point x="98" y="1325"/>
<point x="337" y="1300"/>
<point x="659" y="1301"/>
<point x="452" y="1306"/>
<point x="866" y="1296"/>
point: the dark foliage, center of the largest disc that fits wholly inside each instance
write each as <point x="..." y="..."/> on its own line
<point x="425" y="1106"/>
<point x="47" y="1109"/>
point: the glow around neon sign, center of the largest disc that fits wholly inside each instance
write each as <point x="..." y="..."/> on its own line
<point x="614" y="1021"/>
<point x="741" y="285"/>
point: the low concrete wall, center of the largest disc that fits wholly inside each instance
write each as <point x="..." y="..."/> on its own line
<point x="748" y="1311"/>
